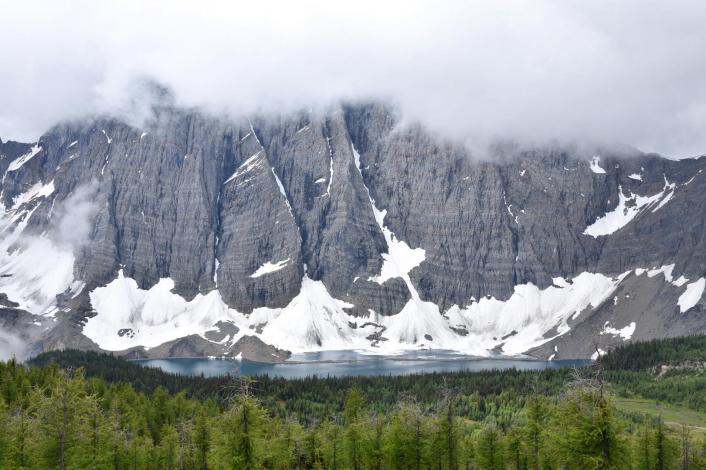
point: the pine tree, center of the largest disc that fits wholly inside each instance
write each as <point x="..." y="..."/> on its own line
<point x="686" y="457"/>
<point x="168" y="449"/>
<point x="19" y="449"/>
<point x="4" y="437"/>
<point x="405" y="446"/>
<point x="515" y="450"/>
<point x="644" y="453"/>
<point x="62" y="419"/>
<point x="332" y="445"/>
<point x="447" y="441"/>
<point x="587" y="434"/>
<point x="201" y="441"/>
<point x="537" y="411"/>
<point x="665" y="449"/>
<point x="375" y="455"/>
<point x="238" y="445"/>
<point x="489" y="448"/>
<point x="355" y="429"/>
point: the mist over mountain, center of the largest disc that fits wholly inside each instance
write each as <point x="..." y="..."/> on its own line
<point x="530" y="71"/>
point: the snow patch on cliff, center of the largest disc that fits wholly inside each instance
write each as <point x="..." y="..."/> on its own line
<point x="692" y="295"/>
<point x="595" y="165"/>
<point x="18" y="162"/>
<point x="629" y="206"/>
<point x="625" y="333"/>
<point x="269" y="267"/>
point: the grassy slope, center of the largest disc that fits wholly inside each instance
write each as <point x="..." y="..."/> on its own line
<point x="671" y="414"/>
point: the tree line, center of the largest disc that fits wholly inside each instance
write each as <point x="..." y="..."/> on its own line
<point x="57" y="417"/>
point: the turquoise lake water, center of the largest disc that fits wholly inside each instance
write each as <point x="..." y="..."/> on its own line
<point x="342" y="363"/>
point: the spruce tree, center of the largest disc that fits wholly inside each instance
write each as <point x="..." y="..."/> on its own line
<point x="489" y="449"/>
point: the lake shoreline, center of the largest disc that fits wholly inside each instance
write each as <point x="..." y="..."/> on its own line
<point x="350" y="363"/>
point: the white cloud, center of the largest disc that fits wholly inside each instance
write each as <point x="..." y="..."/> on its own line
<point x="624" y="71"/>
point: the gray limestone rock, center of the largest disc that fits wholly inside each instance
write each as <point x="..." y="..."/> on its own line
<point x="250" y="207"/>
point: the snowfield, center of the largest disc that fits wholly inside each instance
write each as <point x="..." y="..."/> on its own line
<point x="629" y="206"/>
<point x="314" y="320"/>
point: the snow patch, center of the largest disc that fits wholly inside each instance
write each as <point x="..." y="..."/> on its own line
<point x="595" y="165"/>
<point x="635" y="176"/>
<point x="330" y="177"/>
<point x="253" y="162"/>
<point x="626" y="210"/>
<point x="312" y="320"/>
<point x="509" y="209"/>
<point x="666" y="270"/>
<point x="33" y="269"/>
<point x="668" y="193"/>
<point x="625" y="333"/>
<point x="18" y="162"/>
<point x="282" y="192"/>
<point x="37" y="190"/>
<point x="269" y="267"/>
<point x="692" y="295"/>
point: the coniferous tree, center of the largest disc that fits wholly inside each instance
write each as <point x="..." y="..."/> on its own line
<point x="332" y="448"/>
<point x="19" y="451"/>
<point x="447" y="438"/>
<point x="587" y="434"/>
<point x="406" y="438"/>
<point x="375" y="454"/>
<point x="489" y="448"/>
<point x="239" y="443"/>
<point x="644" y="452"/>
<point x="665" y="448"/>
<point x="61" y="419"/>
<point x="355" y="428"/>
<point x="537" y="411"/>
<point x="201" y="442"/>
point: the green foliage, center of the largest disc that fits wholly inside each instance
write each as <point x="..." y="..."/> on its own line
<point x="648" y="354"/>
<point x="118" y="415"/>
<point x="587" y="434"/>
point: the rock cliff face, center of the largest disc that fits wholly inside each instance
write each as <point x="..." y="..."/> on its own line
<point x="343" y="229"/>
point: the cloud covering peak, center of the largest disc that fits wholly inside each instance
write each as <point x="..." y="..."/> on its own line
<point x="627" y="71"/>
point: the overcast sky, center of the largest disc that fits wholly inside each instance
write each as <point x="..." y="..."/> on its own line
<point x="626" y="71"/>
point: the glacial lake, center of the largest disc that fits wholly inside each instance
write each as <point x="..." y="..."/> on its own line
<point x="343" y="363"/>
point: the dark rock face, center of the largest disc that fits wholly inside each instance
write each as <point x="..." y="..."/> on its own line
<point x="247" y="347"/>
<point x="209" y="202"/>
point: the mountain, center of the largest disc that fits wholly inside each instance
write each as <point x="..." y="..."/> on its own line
<point x="199" y="235"/>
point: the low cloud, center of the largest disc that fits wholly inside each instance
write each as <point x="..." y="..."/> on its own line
<point x="73" y="220"/>
<point x="12" y="346"/>
<point x="37" y="268"/>
<point x="532" y="70"/>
